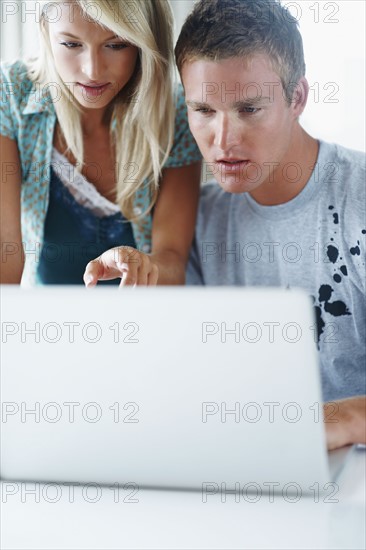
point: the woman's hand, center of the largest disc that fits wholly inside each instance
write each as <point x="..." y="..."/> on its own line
<point x="125" y="262"/>
<point x="172" y="234"/>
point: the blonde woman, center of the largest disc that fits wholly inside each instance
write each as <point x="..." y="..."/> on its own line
<point x="96" y="150"/>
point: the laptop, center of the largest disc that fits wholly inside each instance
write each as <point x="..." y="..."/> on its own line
<point x="169" y="387"/>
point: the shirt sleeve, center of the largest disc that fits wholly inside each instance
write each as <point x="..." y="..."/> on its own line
<point x="184" y="150"/>
<point x="6" y="91"/>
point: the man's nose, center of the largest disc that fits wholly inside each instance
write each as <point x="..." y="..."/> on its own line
<point x="227" y="133"/>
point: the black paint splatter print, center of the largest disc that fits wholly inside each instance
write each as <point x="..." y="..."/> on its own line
<point x="355" y="251"/>
<point x="336" y="308"/>
<point x="332" y="253"/>
<point x="319" y="322"/>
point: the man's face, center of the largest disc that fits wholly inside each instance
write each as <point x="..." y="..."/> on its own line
<point x="241" y="121"/>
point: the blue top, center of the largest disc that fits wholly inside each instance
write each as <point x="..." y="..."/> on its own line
<point x="74" y="235"/>
<point x="28" y="116"/>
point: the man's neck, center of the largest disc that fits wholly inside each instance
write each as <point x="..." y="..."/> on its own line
<point x="290" y="178"/>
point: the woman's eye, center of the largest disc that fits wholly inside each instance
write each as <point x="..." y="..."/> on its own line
<point x="120" y="46"/>
<point x="70" y="45"/>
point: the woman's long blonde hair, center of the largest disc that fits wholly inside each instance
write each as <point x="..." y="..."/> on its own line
<point x="142" y="115"/>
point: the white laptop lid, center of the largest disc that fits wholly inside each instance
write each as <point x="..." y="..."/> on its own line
<point x="167" y="387"/>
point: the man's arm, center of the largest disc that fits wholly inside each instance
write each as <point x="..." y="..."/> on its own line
<point x="345" y="422"/>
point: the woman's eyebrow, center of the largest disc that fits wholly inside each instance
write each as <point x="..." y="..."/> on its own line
<point x="69" y="35"/>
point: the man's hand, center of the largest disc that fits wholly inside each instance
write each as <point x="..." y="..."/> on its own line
<point x="345" y="422"/>
<point x="125" y="262"/>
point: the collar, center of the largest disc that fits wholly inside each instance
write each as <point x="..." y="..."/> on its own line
<point x="38" y="101"/>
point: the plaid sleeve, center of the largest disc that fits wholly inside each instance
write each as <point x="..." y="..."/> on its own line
<point x="7" y="88"/>
<point x="184" y="150"/>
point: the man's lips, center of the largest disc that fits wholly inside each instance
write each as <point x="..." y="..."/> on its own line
<point x="231" y="164"/>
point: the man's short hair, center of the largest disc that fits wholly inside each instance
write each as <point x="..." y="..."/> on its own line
<point x="222" y="29"/>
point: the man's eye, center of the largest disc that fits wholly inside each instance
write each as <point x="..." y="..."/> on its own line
<point x="120" y="46"/>
<point x="250" y="110"/>
<point x="204" y="110"/>
<point x="70" y="45"/>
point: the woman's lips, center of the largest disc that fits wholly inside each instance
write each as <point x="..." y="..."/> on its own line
<point x="93" y="90"/>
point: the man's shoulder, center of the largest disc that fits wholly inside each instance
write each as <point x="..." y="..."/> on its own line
<point x="342" y="173"/>
<point x="343" y="157"/>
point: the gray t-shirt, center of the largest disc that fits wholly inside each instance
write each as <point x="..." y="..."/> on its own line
<point x="315" y="241"/>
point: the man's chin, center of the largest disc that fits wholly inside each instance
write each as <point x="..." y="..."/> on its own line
<point x="236" y="187"/>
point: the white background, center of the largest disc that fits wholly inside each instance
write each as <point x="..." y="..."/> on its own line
<point x="334" y="44"/>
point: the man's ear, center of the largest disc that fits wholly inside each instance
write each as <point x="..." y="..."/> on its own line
<point x="300" y="96"/>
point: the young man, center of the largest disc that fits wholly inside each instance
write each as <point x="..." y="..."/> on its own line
<point x="290" y="210"/>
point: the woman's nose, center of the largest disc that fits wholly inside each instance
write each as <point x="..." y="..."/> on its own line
<point x="91" y="65"/>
